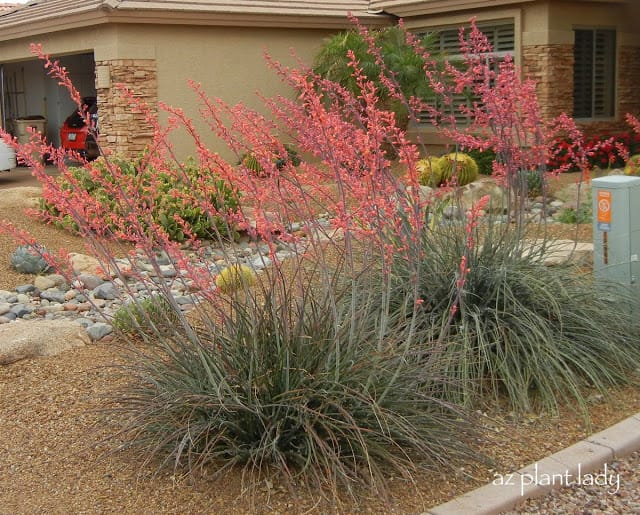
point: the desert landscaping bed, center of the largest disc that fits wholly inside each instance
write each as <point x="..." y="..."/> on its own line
<point x="55" y="458"/>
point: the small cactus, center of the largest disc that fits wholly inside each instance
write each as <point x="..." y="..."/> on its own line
<point x="633" y="166"/>
<point x="429" y="172"/>
<point x="460" y="166"/>
<point x="235" y="277"/>
<point x="250" y="161"/>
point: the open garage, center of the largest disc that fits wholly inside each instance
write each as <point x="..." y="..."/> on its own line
<point x="32" y="99"/>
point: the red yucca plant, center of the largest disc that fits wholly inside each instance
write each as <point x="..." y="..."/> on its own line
<point x="320" y="367"/>
<point x="299" y="373"/>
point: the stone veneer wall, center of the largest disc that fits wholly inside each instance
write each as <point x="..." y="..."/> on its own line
<point x="551" y="66"/>
<point x="124" y="132"/>
<point x="627" y="91"/>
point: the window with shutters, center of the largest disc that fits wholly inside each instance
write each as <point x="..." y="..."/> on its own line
<point x="594" y="73"/>
<point x="501" y="36"/>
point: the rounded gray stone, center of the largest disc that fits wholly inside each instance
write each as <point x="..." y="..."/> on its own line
<point x="53" y="295"/>
<point x="91" y="281"/>
<point x="260" y="262"/>
<point x="44" y="282"/>
<point x="106" y="291"/>
<point x="99" y="330"/>
<point x="20" y="310"/>
<point x="168" y="271"/>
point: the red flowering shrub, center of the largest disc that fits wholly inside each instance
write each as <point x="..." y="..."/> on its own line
<point x="603" y="152"/>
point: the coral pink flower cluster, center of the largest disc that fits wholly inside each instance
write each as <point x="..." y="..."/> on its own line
<point x="347" y="173"/>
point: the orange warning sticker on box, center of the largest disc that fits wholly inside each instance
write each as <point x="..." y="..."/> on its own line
<point x="604" y="207"/>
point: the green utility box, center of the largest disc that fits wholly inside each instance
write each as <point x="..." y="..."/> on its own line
<point x="616" y="229"/>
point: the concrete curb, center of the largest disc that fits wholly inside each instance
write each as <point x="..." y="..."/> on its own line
<point x="535" y="480"/>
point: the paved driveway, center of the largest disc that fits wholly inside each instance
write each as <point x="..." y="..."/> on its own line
<point x="21" y="176"/>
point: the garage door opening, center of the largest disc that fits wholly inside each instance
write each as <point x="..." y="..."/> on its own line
<point x="32" y="99"/>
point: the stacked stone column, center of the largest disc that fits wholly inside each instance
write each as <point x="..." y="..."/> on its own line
<point x="124" y="131"/>
<point x="551" y="67"/>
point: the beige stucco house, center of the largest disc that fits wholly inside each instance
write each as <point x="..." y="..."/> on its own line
<point x="155" y="47"/>
<point x="585" y="54"/>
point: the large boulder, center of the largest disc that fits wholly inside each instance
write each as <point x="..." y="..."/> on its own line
<point x="35" y="338"/>
<point x="21" y="197"/>
<point x="425" y="193"/>
<point x="559" y="252"/>
<point x="469" y="195"/>
<point x="574" y="194"/>
<point x="83" y="264"/>
<point x="473" y="192"/>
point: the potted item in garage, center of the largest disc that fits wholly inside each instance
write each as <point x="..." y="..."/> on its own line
<point x="77" y="136"/>
<point x="23" y="126"/>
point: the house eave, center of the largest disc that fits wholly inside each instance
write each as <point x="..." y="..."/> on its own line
<point x="162" y="17"/>
<point x="25" y="29"/>
<point x="406" y="9"/>
<point x="41" y="28"/>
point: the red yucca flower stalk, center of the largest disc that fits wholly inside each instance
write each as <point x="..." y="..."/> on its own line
<point x="372" y="217"/>
<point x="349" y="177"/>
<point x="473" y="219"/>
<point x="291" y="363"/>
<point x="505" y="116"/>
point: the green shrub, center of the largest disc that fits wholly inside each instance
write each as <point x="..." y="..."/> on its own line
<point x="458" y="167"/>
<point x="164" y="196"/>
<point x="292" y="157"/>
<point x="29" y="259"/>
<point x="582" y="214"/>
<point x="147" y="316"/>
<point x="532" y="182"/>
<point x="400" y="59"/>
<point x="484" y="159"/>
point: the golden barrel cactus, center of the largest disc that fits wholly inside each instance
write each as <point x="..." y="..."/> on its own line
<point x="633" y="166"/>
<point x="250" y="161"/>
<point x="458" y="168"/>
<point x="429" y="173"/>
<point x="235" y="277"/>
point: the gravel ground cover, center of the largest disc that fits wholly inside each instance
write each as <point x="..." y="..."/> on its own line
<point x="54" y="457"/>
<point x="616" y="489"/>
